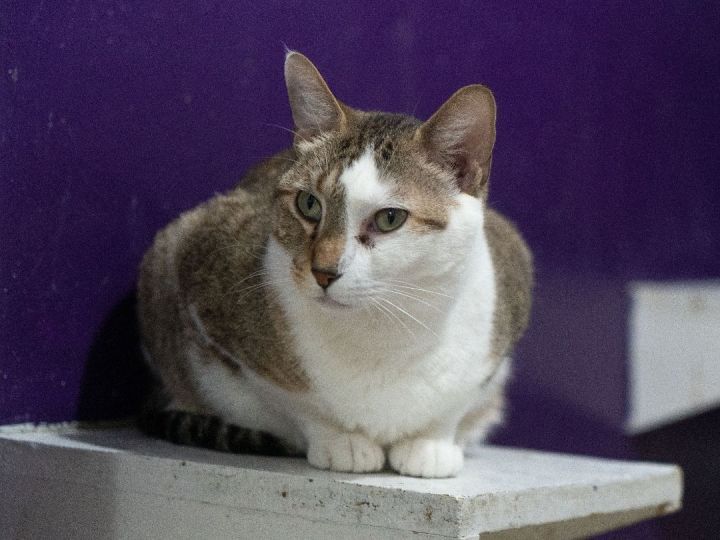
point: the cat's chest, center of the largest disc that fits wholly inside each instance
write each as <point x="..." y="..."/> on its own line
<point x="392" y="393"/>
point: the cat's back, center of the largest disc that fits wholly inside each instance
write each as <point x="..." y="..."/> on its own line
<point x="197" y="261"/>
<point x="212" y="221"/>
<point x="227" y="226"/>
<point x="512" y="261"/>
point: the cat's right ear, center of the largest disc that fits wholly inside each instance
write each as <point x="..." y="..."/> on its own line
<point x="315" y="109"/>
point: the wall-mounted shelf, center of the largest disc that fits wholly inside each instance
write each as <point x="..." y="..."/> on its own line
<point x="116" y="483"/>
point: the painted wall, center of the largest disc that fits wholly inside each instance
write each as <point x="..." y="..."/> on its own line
<point x="115" y="117"/>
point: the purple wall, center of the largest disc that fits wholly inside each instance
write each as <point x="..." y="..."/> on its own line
<point x="113" y="118"/>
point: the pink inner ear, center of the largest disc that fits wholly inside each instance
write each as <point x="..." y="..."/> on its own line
<point x="461" y="134"/>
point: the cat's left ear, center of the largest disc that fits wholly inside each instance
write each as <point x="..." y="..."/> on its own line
<point x="461" y="135"/>
<point x="315" y="109"/>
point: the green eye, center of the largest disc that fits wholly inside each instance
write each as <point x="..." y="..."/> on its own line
<point x="389" y="219"/>
<point x="309" y="206"/>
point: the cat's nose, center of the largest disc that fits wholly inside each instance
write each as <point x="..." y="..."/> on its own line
<point x="324" y="276"/>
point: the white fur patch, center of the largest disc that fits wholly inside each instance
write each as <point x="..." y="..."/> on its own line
<point x="361" y="181"/>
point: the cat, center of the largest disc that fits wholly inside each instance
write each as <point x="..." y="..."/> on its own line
<point x="353" y="300"/>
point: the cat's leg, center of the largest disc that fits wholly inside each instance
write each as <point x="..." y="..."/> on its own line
<point x="331" y="448"/>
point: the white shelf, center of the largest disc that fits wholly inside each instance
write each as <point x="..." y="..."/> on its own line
<point x="116" y="483"/>
<point x="674" y="352"/>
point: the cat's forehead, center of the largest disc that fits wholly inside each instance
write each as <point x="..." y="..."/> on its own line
<point x="372" y="182"/>
<point x="382" y="132"/>
<point x="362" y="184"/>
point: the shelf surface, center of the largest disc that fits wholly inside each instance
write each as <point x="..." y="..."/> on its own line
<point x="117" y="483"/>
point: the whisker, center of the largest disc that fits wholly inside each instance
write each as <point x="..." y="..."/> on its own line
<point x="254" y="274"/>
<point x="414" y="298"/>
<point x="381" y="308"/>
<point x="230" y="245"/>
<point x="251" y="288"/>
<point x="389" y="311"/>
<point x="283" y="128"/>
<point x="406" y="285"/>
<point x="409" y="315"/>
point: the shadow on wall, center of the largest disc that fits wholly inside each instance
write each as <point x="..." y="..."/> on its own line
<point x="116" y="378"/>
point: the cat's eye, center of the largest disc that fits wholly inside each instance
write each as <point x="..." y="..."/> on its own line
<point x="389" y="219"/>
<point x="309" y="206"/>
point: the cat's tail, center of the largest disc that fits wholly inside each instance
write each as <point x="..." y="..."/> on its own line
<point x="205" y="431"/>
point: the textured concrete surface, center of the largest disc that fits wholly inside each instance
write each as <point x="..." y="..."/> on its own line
<point x="116" y="483"/>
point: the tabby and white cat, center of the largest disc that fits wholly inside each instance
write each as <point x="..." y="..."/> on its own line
<point x="354" y="299"/>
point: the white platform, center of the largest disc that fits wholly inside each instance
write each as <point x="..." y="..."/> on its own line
<point x="116" y="483"/>
<point x="674" y="352"/>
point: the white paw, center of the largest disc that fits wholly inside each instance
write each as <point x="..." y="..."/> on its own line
<point x="346" y="452"/>
<point x="429" y="458"/>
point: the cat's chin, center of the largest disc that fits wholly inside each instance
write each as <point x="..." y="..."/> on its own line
<point x="328" y="303"/>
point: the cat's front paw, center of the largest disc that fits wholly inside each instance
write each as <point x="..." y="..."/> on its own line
<point x="429" y="458"/>
<point x="346" y="452"/>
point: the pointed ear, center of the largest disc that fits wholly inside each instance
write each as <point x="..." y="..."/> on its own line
<point x="314" y="108"/>
<point x="461" y="135"/>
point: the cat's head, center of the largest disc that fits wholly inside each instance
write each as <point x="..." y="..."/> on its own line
<point x="377" y="206"/>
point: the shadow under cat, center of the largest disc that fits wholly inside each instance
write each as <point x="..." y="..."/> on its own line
<point x="116" y="379"/>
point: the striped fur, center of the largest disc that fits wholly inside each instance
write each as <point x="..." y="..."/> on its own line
<point x="210" y="431"/>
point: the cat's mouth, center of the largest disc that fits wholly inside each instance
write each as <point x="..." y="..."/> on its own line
<point x="328" y="302"/>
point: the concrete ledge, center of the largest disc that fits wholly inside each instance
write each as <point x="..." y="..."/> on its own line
<point x="674" y="352"/>
<point x="116" y="483"/>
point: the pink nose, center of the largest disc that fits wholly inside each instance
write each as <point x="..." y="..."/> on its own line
<point x="324" y="277"/>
